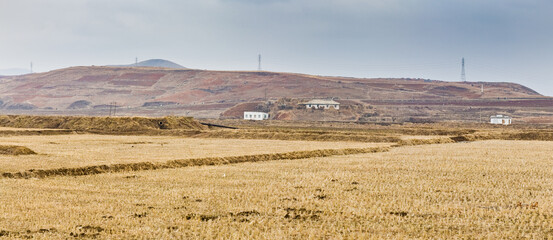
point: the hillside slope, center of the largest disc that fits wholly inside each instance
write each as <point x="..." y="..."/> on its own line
<point x="157" y="91"/>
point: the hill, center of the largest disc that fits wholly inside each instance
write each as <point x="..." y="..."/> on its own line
<point x="151" y="91"/>
<point x="158" y="63"/>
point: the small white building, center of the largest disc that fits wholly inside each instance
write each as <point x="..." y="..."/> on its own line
<point x="501" y="119"/>
<point x="256" y="116"/>
<point x="322" y="104"/>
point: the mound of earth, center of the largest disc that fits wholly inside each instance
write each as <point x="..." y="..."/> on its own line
<point x="101" y="124"/>
<point x="15" y="150"/>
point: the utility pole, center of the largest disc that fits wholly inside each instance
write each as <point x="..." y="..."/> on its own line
<point x="136" y="61"/>
<point x="112" y="108"/>
<point x="259" y="62"/>
<point x="31" y="67"/>
<point x="463" y="75"/>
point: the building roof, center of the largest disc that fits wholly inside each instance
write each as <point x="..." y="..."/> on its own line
<point x="500" y="116"/>
<point x="252" y="112"/>
<point x="322" y="102"/>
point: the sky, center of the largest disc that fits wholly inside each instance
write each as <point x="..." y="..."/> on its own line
<point x="501" y="40"/>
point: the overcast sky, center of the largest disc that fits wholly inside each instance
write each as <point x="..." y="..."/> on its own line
<point x="501" y="40"/>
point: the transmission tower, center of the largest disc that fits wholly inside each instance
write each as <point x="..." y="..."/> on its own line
<point x="259" y="62"/>
<point x="463" y="76"/>
<point x="31" y="67"/>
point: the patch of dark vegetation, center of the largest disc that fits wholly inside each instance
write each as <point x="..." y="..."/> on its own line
<point x="351" y="189"/>
<point x="289" y="199"/>
<point x="460" y="138"/>
<point x="399" y="213"/>
<point x="243" y="216"/>
<point x="302" y="214"/>
<point x="140" y="215"/>
<point x="28" y="234"/>
<point x="4" y="233"/>
<point x="320" y="196"/>
<point x="15" y="150"/>
<point x="201" y="217"/>
<point x="107" y="217"/>
<point x="86" y="231"/>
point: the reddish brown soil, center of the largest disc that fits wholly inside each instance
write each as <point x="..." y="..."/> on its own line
<point x="216" y="91"/>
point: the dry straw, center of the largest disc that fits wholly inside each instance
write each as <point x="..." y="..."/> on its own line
<point x="15" y="150"/>
<point x="102" y="124"/>
<point x="32" y="173"/>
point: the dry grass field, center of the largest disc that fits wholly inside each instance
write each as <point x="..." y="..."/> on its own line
<point x="272" y="182"/>
<point x="487" y="189"/>
<point x="79" y="150"/>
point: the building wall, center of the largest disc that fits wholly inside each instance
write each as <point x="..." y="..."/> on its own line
<point x="504" y="121"/>
<point x="256" y="116"/>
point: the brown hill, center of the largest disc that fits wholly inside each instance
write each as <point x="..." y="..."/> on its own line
<point x="157" y="91"/>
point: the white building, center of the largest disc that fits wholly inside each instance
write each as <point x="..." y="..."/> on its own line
<point x="256" y="116"/>
<point x="500" y="119"/>
<point x="324" y="104"/>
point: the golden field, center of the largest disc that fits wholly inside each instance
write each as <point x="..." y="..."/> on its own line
<point x="492" y="189"/>
<point x="79" y="150"/>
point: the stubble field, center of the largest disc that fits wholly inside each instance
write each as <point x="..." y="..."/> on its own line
<point x="483" y="189"/>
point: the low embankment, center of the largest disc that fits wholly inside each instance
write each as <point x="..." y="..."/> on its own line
<point x="116" y="125"/>
<point x="89" y="170"/>
<point x="303" y="135"/>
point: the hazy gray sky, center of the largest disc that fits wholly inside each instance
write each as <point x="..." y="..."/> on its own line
<point x="501" y="40"/>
